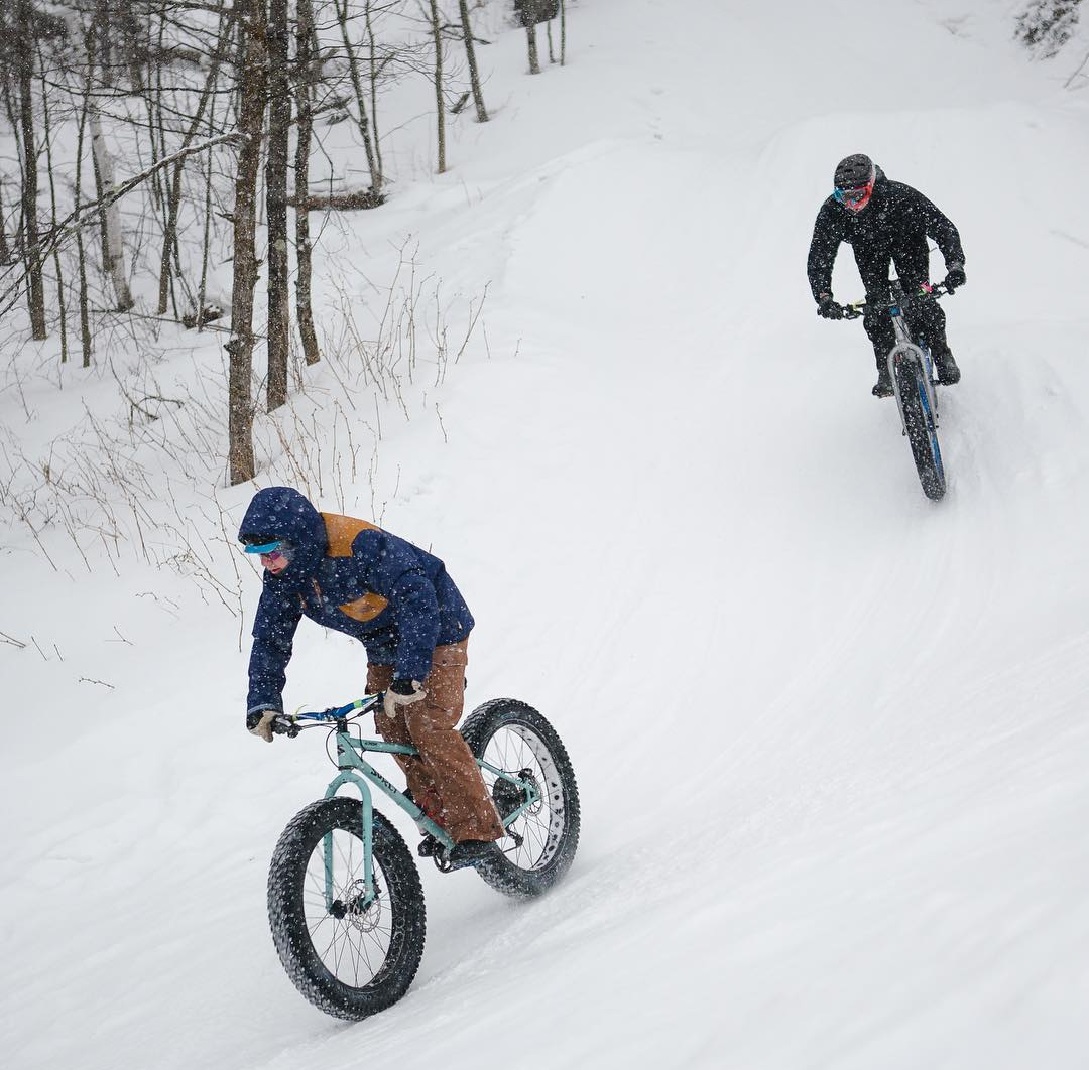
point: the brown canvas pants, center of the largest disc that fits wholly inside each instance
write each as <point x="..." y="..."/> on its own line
<point x="444" y="780"/>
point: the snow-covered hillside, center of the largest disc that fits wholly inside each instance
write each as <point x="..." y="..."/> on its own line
<point x="830" y="736"/>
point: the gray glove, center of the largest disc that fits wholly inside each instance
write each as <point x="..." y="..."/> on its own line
<point x="401" y="693"/>
<point x="259" y="722"/>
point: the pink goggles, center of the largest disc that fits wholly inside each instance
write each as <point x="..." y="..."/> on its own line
<point x="854" y="200"/>
<point x="274" y="558"/>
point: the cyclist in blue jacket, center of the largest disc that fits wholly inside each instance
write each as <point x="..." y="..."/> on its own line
<point x="885" y="223"/>
<point x="401" y="604"/>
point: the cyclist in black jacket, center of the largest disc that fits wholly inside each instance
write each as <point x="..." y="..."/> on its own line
<point x="885" y="223"/>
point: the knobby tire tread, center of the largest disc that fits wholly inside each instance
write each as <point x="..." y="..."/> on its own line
<point x="287" y="916"/>
<point x="918" y="429"/>
<point x="503" y="874"/>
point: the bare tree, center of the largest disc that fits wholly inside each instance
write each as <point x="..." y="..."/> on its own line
<point x="25" y="52"/>
<point x="531" y="48"/>
<point x="304" y="111"/>
<point x="50" y="172"/>
<point x="532" y="12"/>
<point x="81" y="253"/>
<point x="113" y="242"/>
<point x="440" y="103"/>
<point x="252" y="98"/>
<point x="5" y="250"/>
<point x="173" y="190"/>
<point x="279" y="121"/>
<point x="470" y="55"/>
<point x="373" y="164"/>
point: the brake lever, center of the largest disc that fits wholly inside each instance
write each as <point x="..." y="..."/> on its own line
<point x="282" y="725"/>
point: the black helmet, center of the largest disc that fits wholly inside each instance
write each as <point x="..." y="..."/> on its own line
<point x="854" y="179"/>
<point x="853" y="172"/>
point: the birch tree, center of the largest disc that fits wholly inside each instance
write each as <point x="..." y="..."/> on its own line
<point x="440" y="104"/>
<point x="470" y="55"/>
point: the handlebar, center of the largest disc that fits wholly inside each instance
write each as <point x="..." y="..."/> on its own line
<point x="290" y="724"/>
<point x="857" y="308"/>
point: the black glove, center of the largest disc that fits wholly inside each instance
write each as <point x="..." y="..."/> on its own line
<point x="956" y="277"/>
<point x="259" y="722"/>
<point x="828" y="308"/>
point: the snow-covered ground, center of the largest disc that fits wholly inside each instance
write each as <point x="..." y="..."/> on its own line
<point x="831" y="737"/>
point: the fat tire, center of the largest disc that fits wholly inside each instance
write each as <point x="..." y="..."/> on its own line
<point x="400" y="899"/>
<point x="534" y="867"/>
<point x="921" y="429"/>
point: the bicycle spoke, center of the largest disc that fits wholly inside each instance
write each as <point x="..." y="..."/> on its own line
<point x="354" y="946"/>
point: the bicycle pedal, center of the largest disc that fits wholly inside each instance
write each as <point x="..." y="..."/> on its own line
<point x="429" y="847"/>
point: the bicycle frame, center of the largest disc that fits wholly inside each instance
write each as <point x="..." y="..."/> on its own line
<point x="360" y="774"/>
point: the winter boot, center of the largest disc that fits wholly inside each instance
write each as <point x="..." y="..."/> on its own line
<point x="948" y="372"/>
<point x="883" y="387"/>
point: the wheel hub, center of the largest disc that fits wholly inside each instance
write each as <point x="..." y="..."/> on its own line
<point x="361" y="915"/>
<point x="508" y="796"/>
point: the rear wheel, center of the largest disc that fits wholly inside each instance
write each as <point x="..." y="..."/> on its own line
<point x="921" y="428"/>
<point x="542" y="838"/>
<point x="349" y="956"/>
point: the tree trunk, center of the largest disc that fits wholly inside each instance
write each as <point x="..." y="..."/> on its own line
<point x="115" y="249"/>
<point x="440" y="104"/>
<point x="84" y="299"/>
<point x="470" y="54"/>
<point x="279" y="120"/>
<point x="531" y="48"/>
<point x="240" y="348"/>
<point x="375" y="68"/>
<point x="361" y="104"/>
<point x="304" y="36"/>
<point x="5" y="249"/>
<point x="173" y="189"/>
<point x="47" y="140"/>
<point x="25" y="61"/>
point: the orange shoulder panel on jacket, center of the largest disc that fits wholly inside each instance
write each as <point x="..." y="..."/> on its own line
<point x="341" y="532"/>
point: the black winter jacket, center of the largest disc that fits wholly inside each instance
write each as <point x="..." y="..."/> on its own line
<point x="893" y="227"/>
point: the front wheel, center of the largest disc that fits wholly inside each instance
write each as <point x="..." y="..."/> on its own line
<point x="921" y="428"/>
<point x="542" y="822"/>
<point x="351" y="954"/>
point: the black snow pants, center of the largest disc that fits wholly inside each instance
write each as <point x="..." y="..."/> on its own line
<point x="925" y="319"/>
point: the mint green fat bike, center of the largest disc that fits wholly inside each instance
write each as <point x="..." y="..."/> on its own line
<point x="344" y="898"/>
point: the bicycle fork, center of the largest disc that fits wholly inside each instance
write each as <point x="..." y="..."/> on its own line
<point x="905" y="350"/>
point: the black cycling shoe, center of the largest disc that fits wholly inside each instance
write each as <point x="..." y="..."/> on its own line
<point x="883" y="387"/>
<point x="472" y="853"/>
<point x="948" y="372"/>
<point x="428" y="847"/>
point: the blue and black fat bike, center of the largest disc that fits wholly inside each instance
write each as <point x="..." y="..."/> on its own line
<point x="344" y="897"/>
<point x="911" y="369"/>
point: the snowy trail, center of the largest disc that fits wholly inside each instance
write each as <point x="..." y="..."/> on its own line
<point x="830" y="737"/>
